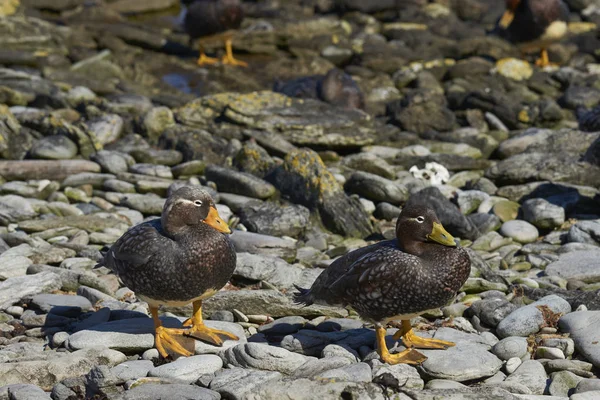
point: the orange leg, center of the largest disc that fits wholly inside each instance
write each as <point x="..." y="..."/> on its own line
<point x="408" y="356"/>
<point x="411" y="340"/>
<point x="228" y="57"/>
<point x="204" y="59"/>
<point x="163" y="337"/>
<point x="200" y="331"/>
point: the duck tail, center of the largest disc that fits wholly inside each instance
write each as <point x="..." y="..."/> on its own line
<point x="303" y="296"/>
<point x="102" y="260"/>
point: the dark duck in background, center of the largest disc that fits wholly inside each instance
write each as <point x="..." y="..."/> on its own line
<point x="183" y="257"/>
<point x="534" y="25"/>
<point x="216" y="18"/>
<point x="422" y="269"/>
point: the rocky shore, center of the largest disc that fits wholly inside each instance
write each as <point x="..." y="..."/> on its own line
<point x="103" y="112"/>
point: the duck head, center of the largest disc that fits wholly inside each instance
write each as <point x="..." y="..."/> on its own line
<point x="418" y="225"/>
<point x="189" y="206"/>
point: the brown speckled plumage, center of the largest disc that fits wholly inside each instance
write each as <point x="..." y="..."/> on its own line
<point x="405" y="276"/>
<point x="176" y="258"/>
<point x="208" y="17"/>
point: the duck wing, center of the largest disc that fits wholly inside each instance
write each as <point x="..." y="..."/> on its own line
<point x="376" y="273"/>
<point x="320" y="291"/>
<point x="137" y="247"/>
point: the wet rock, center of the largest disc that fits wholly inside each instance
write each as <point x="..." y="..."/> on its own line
<point x="305" y="179"/>
<point x="270" y="219"/>
<point x="376" y="188"/>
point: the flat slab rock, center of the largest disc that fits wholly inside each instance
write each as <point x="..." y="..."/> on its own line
<point x="263" y="357"/>
<point x="47" y="372"/>
<point x="580" y="265"/>
<point x="137" y="334"/>
<point x="469" y="359"/>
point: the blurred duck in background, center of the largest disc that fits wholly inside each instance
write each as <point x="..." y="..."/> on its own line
<point x="534" y="25"/>
<point x="216" y="18"/>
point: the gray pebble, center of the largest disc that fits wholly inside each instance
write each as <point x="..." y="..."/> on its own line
<point x="520" y="231"/>
<point x="188" y="369"/>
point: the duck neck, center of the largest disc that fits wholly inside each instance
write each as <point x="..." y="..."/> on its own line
<point x="419" y="248"/>
<point x="173" y="223"/>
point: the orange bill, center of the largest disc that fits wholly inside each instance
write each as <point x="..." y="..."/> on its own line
<point x="213" y="219"/>
<point x="507" y="18"/>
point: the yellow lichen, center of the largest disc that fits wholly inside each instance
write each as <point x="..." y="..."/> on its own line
<point x="8" y="7"/>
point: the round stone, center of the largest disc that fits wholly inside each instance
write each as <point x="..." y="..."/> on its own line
<point x="512" y="364"/>
<point x="520" y="231"/>
<point x="55" y="147"/>
<point x="510" y="347"/>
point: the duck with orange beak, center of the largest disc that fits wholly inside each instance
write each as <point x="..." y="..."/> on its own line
<point x="422" y="269"/>
<point x="183" y="257"/>
<point x="534" y="25"/>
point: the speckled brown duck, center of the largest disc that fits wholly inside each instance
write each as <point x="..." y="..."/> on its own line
<point x="183" y="257"/>
<point x="422" y="269"/>
<point x="534" y="24"/>
<point x="211" y="17"/>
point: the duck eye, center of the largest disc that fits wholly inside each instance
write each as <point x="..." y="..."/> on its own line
<point x="420" y="219"/>
<point x="198" y="203"/>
